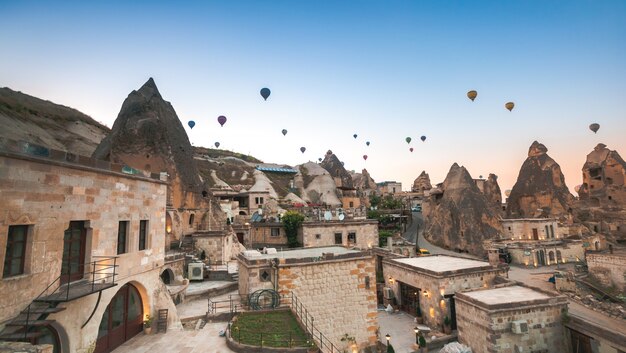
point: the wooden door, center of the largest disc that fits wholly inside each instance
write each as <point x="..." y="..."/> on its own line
<point x="74" y="241"/>
<point x="535" y="234"/>
<point x="122" y="319"/>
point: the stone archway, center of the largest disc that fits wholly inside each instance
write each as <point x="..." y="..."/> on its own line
<point x="122" y="319"/>
<point x="559" y="257"/>
<point x="167" y="276"/>
<point x="551" y="257"/>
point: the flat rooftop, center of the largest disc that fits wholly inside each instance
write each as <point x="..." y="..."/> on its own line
<point x="506" y="295"/>
<point x="304" y="253"/>
<point x="442" y="263"/>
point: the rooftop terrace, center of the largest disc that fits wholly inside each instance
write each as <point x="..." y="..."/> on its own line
<point x="506" y="295"/>
<point x="442" y="263"/>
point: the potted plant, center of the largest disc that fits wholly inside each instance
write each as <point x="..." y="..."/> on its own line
<point x="422" y="342"/>
<point x="147" y="325"/>
<point x="447" y="327"/>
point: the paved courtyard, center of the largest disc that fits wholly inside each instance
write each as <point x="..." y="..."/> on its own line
<point x="399" y="326"/>
<point x="206" y="340"/>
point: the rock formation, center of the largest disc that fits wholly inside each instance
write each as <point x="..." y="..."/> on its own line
<point x="316" y="185"/>
<point x="492" y="192"/>
<point x="458" y="215"/>
<point x="30" y="119"/>
<point x="333" y="165"/>
<point x="147" y="135"/>
<point x="604" y="176"/>
<point x="422" y="183"/>
<point x="540" y="190"/>
<point x="363" y="181"/>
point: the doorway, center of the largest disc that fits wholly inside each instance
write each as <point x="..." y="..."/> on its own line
<point x="535" y="234"/>
<point x="409" y="298"/>
<point x="450" y="298"/>
<point x="541" y="258"/>
<point x="122" y="319"/>
<point x="74" y="241"/>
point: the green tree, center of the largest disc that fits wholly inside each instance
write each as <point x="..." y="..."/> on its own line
<point x="382" y="237"/>
<point x="292" y="221"/>
<point x="390" y="349"/>
<point x="374" y="200"/>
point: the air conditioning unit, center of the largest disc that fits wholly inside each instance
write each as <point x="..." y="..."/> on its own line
<point x="387" y="293"/>
<point x="519" y="327"/>
<point x="195" y="271"/>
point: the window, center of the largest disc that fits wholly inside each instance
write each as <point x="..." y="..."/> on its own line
<point x="352" y="237"/>
<point x="318" y="236"/>
<point x="275" y="232"/>
<point x="14" y="258"/>
<point x="258" y="200"/>
<point x="122" y="231"/>
<point x="351" y="204"/>
<point x="338" y="238"/>
<point x="143" y="234"/>
<point x="265" y="275"/>
<point x="191" y="218"/>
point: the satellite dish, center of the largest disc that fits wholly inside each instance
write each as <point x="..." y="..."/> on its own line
<point x="341" y="216"/>
<point x="328" y="215"/>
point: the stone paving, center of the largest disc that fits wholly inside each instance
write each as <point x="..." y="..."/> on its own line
<point x="206" y="340"/>
<point x="399" y="326"/>
<point x="199" y="306"/>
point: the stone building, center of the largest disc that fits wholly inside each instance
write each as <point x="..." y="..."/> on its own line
<point x="547" y="253"/>
<point x="511" y="319"/>
<point x="336" y="285"/>
<point x="360" y="233"/>
<point x="93" y="228"/>
<point x="389" y="187"/>
<point x="430" y="283"/>
<point x="609" y="268"/>
<point x="530" y="229"/>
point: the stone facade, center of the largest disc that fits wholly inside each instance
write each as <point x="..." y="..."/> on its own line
<point x="45" y="192"/>
<point x="362" y="234"/>
<point x="219" y="246"/>
<point x="435" y="287"/>
<point x="266" y="234"/>
<point x="604" y="178"/>
<point x="488" y="319"/>
<point x="609" y="268"/>
<point x="530" y="229"/>
<point x="546" y="253"/>
<point x="337" y="289"/>
<point x="389" y="187"/>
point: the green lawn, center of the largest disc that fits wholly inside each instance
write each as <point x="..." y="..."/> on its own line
<point x="272" y="329"/>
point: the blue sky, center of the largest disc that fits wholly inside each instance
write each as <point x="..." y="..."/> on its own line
<point x="384" y="70"/>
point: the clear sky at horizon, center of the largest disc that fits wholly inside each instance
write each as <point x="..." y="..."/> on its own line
<point x="384" y="70"/>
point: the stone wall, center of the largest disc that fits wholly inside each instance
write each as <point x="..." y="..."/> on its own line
<point x="260" y="235"/>
<point x="339" y="294"/>
<point x="323" y="233"/>
<point x="610" y="269"/>
<point x="530" y="254"/>
<point x="47" y="195"/>
<point x="523" y="229"/>
<point x="433" y="288"/>
<point x="24" y="347"/>
<point x="490" y="330"/>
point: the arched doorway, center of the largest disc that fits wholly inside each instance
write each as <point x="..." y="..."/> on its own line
<point x="551" y="257"/>
<point x="122" y="319"/>
<point x="559" y="257"/>
<point x="167" y="276"/>
<point x="48" y="336"/>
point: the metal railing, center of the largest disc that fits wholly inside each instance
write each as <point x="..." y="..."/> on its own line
<point x="102" y="272"/>
<point x="324" y="344"/>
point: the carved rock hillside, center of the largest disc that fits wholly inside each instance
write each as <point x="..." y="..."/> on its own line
<point x="540" y="190"/>
<point x="492" y="191"/>
<point x="604" y="177"/>
<point x="458" y="215"/>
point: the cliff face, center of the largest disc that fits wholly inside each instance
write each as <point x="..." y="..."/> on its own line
<point x="540" y="190"/>
<point x="492" y="191"/>
<point x="332" y="164"/>
<point x="458" y="216"/>
<point x="604" y="176"/>
<point x="422" y="183"/>
<point x="41" y="122"/>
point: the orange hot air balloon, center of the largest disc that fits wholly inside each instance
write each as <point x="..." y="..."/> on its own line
<point x="472" y="95"/>
<point x="509" y="106"/>
<point x="507" y="193"/>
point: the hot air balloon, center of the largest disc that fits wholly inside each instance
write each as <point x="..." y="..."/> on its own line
<point x="509" y="106"/>
<point x="284" y="132"/>
<point x="408" y="140"/>
<point x="577" y="188"/>
<point x="423" y="138"/>
<point x="191" y="123"/>
<point x="221" y="119"/>
<point x="507" y="193"/>
<point x="594" y="127"/>
<point x="411" y="149"/>
<point x="367" y="143"/>
<point x="355" y="135"/>
<point x="472" y="95"/>
<point x="365" y="157"/>
<point x="302" y="149"/>
<point x="217" y="145"/>
<point x="265" y="92"/>
<point x="319" y="159"/>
